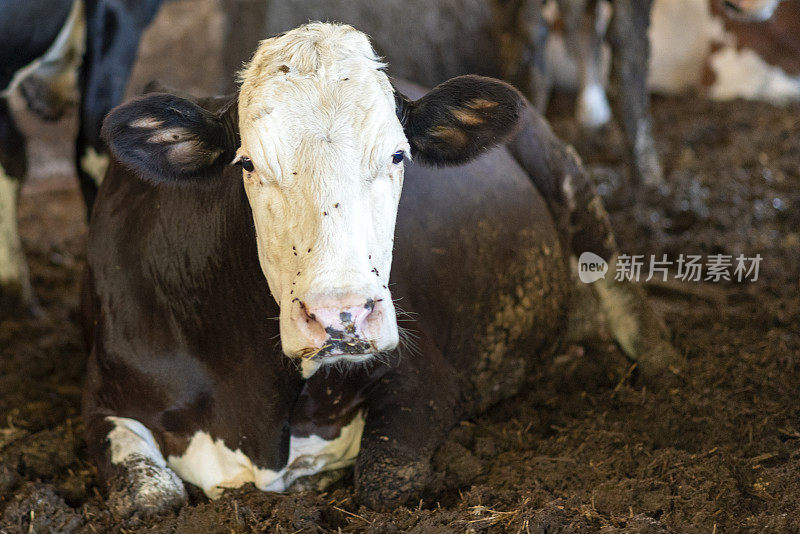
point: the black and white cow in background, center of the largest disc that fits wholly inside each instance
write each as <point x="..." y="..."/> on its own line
<point x="219" y="216"/>
<point x="42" y="46"/>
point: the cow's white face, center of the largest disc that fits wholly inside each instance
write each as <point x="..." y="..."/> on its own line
<point x="752" y="10"/>
<point x="322" y="156"/>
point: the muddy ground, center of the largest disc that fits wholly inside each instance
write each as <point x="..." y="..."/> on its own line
<point x="585" y="448"/>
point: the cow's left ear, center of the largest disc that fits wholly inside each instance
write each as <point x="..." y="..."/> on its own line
<point x="459" y="119"/>
<point x="168" y="138"/>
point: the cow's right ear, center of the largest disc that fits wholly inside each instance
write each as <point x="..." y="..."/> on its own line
<point x="460" y="119"/>
<point x="168" y="138"/>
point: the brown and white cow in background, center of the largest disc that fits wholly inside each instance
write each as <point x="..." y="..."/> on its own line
<point x="733" y="49"/>
<point x="726" y="49"/>
<point x="218" y="216"/>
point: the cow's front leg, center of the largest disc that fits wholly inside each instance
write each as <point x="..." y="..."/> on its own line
<point x="138" y="479"/>
<point x="15" y="286"/>
<point x="408" y="415"/>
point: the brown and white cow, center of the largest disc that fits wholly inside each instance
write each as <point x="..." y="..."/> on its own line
<point x="733" y="49"/>
<point x="231" y="238"/>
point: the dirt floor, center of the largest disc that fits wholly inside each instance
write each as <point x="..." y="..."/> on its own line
<point x="585" y="448"/>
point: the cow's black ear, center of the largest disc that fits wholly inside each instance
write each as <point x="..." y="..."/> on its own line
<point x="168" y="138"/>
<point x="459" y="119"/>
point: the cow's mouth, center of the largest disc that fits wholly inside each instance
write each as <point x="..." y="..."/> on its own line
<point x="340" y="345"/>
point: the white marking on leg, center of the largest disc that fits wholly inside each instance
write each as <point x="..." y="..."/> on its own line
<point x="95" y="164"/>
<point x="758" y="11"/>
<point x="212" y="466"/>
<point x="133" y="446"/>
<point x="132" y="437"/>
<point x="13" y="269"/>
<point x="593" y="108"/>
<point x="312" y="455"/>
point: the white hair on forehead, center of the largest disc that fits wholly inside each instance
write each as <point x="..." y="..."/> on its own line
<point x="312" y="47"/>
<point x="320" y="81"/>
<point x="324" y="51"/>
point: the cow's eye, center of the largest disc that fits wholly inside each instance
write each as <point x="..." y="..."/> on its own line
<point x="246" y="163"/>
<point x="398" y="156"/>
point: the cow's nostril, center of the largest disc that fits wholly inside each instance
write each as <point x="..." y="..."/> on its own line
<point x="344" y="325"/>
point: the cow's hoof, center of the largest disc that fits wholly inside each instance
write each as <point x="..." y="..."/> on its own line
<point x="660" y="363"/>
<point x="318" y="482"/>
<point x="391" y="482"/>
<point x="142" y="488"/>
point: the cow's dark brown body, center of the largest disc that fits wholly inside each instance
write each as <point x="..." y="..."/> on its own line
<point x="181" y="321"/>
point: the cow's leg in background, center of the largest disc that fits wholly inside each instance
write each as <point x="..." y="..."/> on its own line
<point x="49" y="86"/>
<point x="244" y="28"/>
<point x="583" y="223"/>
<point x="41" y="63"/>
<point x="584" y="35"/>
<point x="15" y="286"/>
<point x="521" y="33"/>
<point x="630" y="55"/>
<point x="114" y="29"/>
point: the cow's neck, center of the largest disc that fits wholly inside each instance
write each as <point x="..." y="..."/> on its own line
<point x="205" y="232"/>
